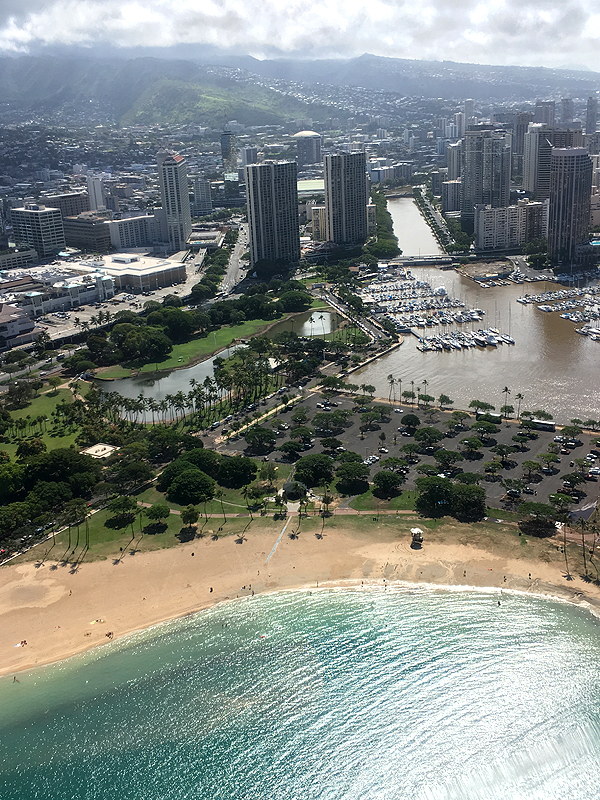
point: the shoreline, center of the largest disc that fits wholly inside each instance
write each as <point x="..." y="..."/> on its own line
<point x="62" y="614"/>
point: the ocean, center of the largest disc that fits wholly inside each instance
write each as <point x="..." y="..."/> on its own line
<point x="343" y="694"/>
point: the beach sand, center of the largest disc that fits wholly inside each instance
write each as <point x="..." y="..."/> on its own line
<point x="60" y="613"/>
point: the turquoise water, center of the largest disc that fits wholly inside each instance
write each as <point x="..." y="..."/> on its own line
<point x="332" y="695"/>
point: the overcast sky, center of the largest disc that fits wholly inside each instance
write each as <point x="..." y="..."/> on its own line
<point x="551" y="33"/>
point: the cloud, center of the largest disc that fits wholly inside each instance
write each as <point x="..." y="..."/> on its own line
<point x="535" y="32"/>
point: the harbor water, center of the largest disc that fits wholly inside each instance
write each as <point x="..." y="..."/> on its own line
<point x="348" y="694"/>
<point x="552" y="366"/>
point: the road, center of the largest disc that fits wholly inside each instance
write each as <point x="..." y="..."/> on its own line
<point x="235" y="273"/>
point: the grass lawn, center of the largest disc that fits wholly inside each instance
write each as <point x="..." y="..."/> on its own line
<point x="192" y="350"/>
<point x="367" y="502"/>
<point x="51" y="435"/>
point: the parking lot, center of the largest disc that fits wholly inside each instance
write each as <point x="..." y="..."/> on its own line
<point x="373" y="448"/>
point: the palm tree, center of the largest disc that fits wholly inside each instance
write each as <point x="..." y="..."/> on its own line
<point x="391" y="380"/>
<point x="519" y="397"/>
<point x="506" y="392"/>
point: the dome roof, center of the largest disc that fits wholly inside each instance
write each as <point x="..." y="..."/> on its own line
<point x="305" y="133"/>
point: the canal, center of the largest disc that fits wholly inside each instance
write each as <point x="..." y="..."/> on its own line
<point x="552" y="366"/>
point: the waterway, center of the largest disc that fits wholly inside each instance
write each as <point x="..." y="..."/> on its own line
<point x="552" y="366"/>
<point x="414" y="234"/>
<point x="160" y="384"/>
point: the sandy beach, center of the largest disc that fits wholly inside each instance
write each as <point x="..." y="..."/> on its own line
<point x="60" y="613"/>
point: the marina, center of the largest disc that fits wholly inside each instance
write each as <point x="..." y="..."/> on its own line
<point x="552" y="366"/>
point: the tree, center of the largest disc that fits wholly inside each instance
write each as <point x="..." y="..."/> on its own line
<point x="352" y="478"/>
<point x="411" y="422"/>
<point x="30" y="447"/>
<point x="55" y="381"/>
<point x="259" y="439"/>
<point x="314" y="470"/>
<point x="428" y="436"/>
<point x="291" y="450"/>
<point x="386" y="483"/>
<point x="158" y="513"/>
<point x="503" y="450"/>
<point x="480" y="405"/>
<point x="471" y="445"/>
<point x="435" y="497"/>
<point x="537" y="519"/>
<point x="236" y="471"/>
<point x="447" y="458"/>
<point x="549" y="458"/>
<point x="468" y="502"/>
<point x="41" y="344"/>
<point x="444" y="400"/>
<point x="190" y="487"/>
<point x="189" y="515"/>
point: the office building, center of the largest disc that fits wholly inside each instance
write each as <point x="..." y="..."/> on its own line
<point x="173" y="179"/>
<point x="569" y="214"/>
<point x="95" y="187"/>
<point x="591" y="115"/>
<point x="272" y="202"/>
<point x="249" y="155"/>
<point x="308" y="148"/>
<point x="202" y="196"/>
<point x="88" y="232"/>
<point x="228" y="152"/>
<point x="545" y="112"/>
<point x="69" y="204"/>
<point x="485" y="171"/>
<point x="519" y="130"/>
<point x="567" y="112"/>
<point x="346" y="198"/>
<point x="539" y="141"/>
<point x="40" y="228"/>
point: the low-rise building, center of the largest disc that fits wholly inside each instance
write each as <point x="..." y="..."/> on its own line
<point x="16" y="327"/>
<point x="89" y="232"/>
<point x="135" y="273"/>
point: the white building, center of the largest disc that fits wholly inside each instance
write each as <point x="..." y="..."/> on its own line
<point x="132" y="232"/>
<point x="510" y="227"/>
<point x="15" y="326"/>
<point x="95" y="188"/>
<point x="174" y="191"/>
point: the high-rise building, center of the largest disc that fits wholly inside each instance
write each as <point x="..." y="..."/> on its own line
<point x="539" y="141"/>
<point x="308" y="148"/>
<point x="319" y="223"/>
<point x="346" y="198"/>
<point x="570" y="193"/>
<point x="39" y="227"/>
<point x="545" y="112"/>
<point x="519" y="130"/>
<point x="451" y="195"/>
<point x="202" y="196"/>
<point x="249" y="155"/>
<point x="468" y="110"/>
<point x="228" y="152"/>
<point x="95" y="187"/>
<point x="272" y="201"/>
<point x="453" y="152"/>
<point x="510" y="227"/>
<point x="567" y="111"/>
<point x="485" y="172"/>
<point x="174" y="190"/>
<point x="591" y="115"/>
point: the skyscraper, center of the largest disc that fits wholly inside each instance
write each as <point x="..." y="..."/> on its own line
<point x="567" y="111"/>
<point x="228" y="152"/>
<point x="519" y="130"/>
<point x="346" y="198"/>
<point x="545" y="112"/>
<point x="249" y="155"/>
<point x="486" y="157"/>
<point x="272" y="199"/>
<point x="202" y="196"/>
<point x="453" y="160"/>
<point x="174" y="191"/>
<point x="539" y="141"/>
<point x="308" y="148"/>
<point x="39" y="227"/>
<point x="570" y="193"/>
<point x="591" y="115"/>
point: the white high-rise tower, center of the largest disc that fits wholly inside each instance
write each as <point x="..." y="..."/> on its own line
<point x="174" y="191"/>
